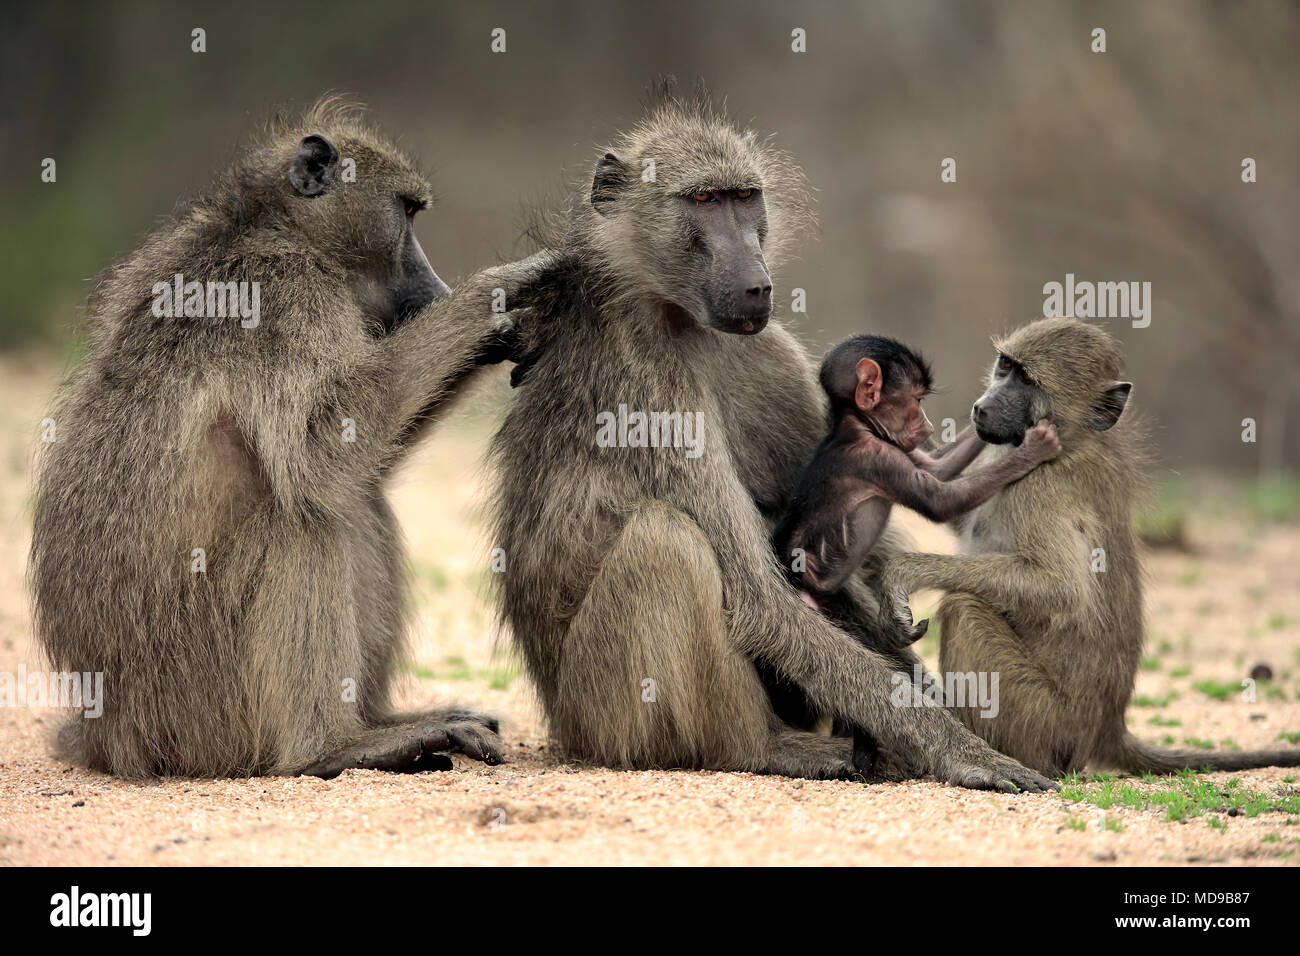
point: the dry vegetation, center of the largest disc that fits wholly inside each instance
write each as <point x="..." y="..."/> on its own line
<point x="1213" y="613"/>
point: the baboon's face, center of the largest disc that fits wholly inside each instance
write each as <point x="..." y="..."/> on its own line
<point x="1012" y="403"/>
<point x="894" y="409"/>
<point x="725" y="229"/>
<point x="389" y="274"/>
<point x="1076" y="398"/>
<point x="900" y="415"/>
<point x="699" y="246"/>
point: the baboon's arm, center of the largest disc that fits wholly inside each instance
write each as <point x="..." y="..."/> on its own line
<point x="433" y="352"/>
<point x="901" y="481"/>
<point x="296" y="406"/>
<point x="948" y="461"/>
<point x="1009" y="583"/>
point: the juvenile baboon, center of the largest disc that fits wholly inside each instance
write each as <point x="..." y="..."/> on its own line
<point x="1047" y="590"/>
<point x="640" y="581"/>
<point x="211" y="525"/>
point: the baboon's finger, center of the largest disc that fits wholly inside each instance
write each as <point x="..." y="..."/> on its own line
<point x="1029" y="781"/>
<point x="490" y="721"/>
<point x="973" y="778"/>
<point x="919" y="630"/>
<point x="1001" y="777"/>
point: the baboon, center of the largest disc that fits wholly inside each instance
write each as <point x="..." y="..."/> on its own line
<point x="211" y="528"/>
<point x="1029" y="597"/>
<point x="869" y="461"/>
<point x="640" y="581"/>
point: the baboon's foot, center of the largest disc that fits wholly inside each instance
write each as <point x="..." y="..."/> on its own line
<point x="986" y="769"/>
<point x="412" y="747"/>
<point x="865" y="752"/>
<point x="797" y="753"/>
<point x="889" y="767"/>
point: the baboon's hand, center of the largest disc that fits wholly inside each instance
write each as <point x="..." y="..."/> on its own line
<point x="980" y="767"/>
<point x="502" y="342"/>
<point x="1041" y="442"/>
<point x="472" y="739"/>
<point x="896" y="614"/>
<point x="527" y="286"/>
<point x="515" y="337"/>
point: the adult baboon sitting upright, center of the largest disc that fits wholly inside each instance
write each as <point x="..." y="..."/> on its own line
<point x="212" y="532"/>
<point x="664" y="423"/>
<point x="1047" y="592"/>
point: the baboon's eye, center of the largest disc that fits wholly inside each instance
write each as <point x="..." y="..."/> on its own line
<point x="744" y="193"/>
<point x="411" y="207"/>
<point x="702" y="195"/>
<point x="1004" y="364"/>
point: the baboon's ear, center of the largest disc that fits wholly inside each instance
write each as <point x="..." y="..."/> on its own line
<point x="314" y="166"/>
<point x="867" y="392"/>
<point x="1110" y="405"/>
<point x="609" y="180"/>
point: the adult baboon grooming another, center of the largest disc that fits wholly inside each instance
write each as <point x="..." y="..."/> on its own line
<point x="1029" y="599"/>
<point x="640" y="581"/>
<point x="211" y="527"/>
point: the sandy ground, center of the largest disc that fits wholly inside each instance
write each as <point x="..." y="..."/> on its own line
<point x="1212" y="614"/>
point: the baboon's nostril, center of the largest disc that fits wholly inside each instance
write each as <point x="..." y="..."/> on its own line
<point x="760" y="291"/>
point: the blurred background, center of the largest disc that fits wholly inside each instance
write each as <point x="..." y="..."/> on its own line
<point x="1117" y="166"/>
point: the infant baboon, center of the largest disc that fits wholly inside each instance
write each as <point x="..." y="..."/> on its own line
<point x="1047" y="591"/>
<point x="641" y="584"/>
<point x="870" y="461"/>
<point x="211" y="525"/>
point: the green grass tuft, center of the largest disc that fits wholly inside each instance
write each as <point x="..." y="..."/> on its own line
<point x="1273" y="497"/>
<point x="1142" y="700"/>
<point x="457" y="668"/>
<point x="1219" y="690"/>
<point x="1180" y="796"/>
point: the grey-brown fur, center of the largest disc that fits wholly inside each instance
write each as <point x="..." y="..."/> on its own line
<point x="184" y="433"/>
<point x="1024" y="599"/>
<point x="627" y="564"/>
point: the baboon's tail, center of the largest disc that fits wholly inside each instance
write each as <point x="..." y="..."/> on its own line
<point x="1136" y="757"/>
